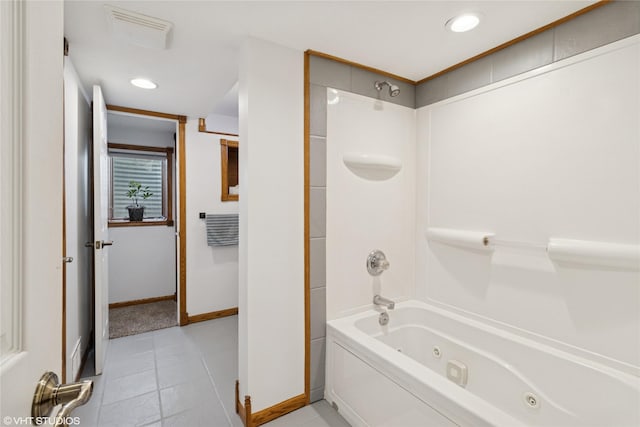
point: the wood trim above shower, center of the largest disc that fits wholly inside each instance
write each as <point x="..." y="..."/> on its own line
<point x="466" y="61"/>
<point x="361" y="66"/>
<point x="516" y="40"/>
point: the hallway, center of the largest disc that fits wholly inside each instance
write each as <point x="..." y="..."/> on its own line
<point x="180" y="377"/>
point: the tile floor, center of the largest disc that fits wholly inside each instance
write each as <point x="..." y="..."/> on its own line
<point x="183" y="377"/>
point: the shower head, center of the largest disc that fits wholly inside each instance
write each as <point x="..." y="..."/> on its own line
<point x="393" y="89"/>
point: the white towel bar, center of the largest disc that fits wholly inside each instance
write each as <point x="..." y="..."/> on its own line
<point x="603" y="254"/>
<point x="462" y="238"/>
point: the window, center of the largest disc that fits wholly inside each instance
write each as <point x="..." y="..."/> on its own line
<point x="149" y="166"/>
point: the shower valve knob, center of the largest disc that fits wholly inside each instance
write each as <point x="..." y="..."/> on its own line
<point x="377" y="263"/>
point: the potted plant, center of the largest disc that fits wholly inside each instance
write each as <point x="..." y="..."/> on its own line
<point x="135" y="193"/>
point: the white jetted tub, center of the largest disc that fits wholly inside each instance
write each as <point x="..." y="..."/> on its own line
<point x="430" y="367"/>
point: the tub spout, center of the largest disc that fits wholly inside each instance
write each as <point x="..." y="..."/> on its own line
<point x="380" y="300"/>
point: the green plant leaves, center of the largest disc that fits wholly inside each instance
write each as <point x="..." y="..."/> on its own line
<point x="136" y="191"/>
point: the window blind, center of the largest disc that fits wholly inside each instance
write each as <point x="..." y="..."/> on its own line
<point x="149" y="171"/>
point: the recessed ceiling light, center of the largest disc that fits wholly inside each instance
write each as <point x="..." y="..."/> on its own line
<point x="462" y="23"/>
<point x="144" y="83"/>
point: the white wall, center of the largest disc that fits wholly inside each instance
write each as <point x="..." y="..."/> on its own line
<point x="142" y="260"/>
<point x="271" y="260"/>
<point x="222" y="123"/>
<point x="212" y="272"/>
<point x="78" y="219"/>
<point x="144" y="265"/>
<point x="365" y="214"/>
<point x="551" y="153"/>
<point x="139" y="136"/>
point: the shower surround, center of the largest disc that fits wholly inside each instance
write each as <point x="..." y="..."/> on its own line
<point x="547" y="155"/>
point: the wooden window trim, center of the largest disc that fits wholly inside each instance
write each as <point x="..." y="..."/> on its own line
<point x="224" y="170"/>
<point x="167" y="197"/>
<point x="145" y="223"/>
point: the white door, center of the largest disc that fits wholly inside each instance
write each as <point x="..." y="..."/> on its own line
<point x="31" y="144"/>
<point x="101" y="226"/>
<point x="78" y="224"/>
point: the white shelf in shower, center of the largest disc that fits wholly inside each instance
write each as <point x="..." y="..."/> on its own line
<point x="375" y="167"/>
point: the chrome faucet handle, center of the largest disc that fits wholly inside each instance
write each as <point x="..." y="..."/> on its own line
<point x="377" y="263"/>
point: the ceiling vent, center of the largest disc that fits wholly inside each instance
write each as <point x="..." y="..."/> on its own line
<point x="138" y="29"/>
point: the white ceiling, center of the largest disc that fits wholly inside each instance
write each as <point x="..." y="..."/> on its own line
<point x="197" y="73"/>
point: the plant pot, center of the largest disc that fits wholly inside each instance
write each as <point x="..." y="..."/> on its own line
<point x="136" y="213"/>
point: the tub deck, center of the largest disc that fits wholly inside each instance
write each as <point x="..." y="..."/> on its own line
<point x="410" y="371"/>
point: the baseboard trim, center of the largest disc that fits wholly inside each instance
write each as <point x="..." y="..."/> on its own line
<point x="212" y="315"/>
<point x="142" y="301"/>
<point x="242" y="411"/>
<point x="276" y="411"/>
<point x="269" y="414"/>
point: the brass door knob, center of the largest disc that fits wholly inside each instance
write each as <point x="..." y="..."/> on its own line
<point x="49" y="394"/>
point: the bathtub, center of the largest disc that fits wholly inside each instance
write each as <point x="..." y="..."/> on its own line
<point x="431" y="367"/>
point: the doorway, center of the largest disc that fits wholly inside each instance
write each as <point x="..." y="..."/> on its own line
<point x="146" y="283"/>
<point x="142" y="263"/>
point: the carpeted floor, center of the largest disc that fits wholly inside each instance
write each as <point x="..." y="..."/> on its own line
<point x="136" y="319"/>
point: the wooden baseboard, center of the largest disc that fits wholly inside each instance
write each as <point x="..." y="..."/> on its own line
<point x="142" y="301"/>
<point x="276" y="411"/>
<point x="242" y="411"/>
<point x="269" y="414"/>
<point x="184" y="319"/>
<point x="212" y="315"/>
